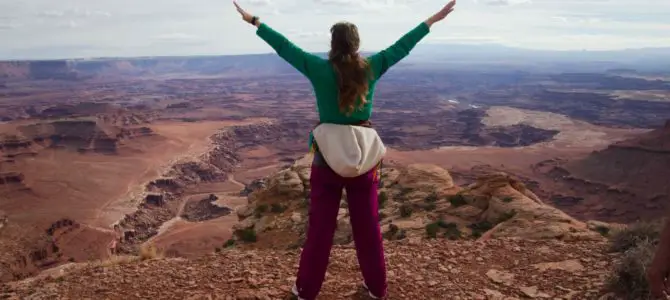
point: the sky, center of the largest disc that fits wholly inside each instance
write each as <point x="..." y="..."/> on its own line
<point x="43" y="29"/>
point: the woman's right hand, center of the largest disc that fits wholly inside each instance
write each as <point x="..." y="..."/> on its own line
<point x="443" y="13"/>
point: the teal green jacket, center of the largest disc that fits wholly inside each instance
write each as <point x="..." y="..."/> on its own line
<point x="321" y="74"/>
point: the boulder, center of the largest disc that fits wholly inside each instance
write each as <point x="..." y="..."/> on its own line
<point x="284" y="185"/>
<point x="603" y="227"/>
<point x="517" y="212"/>
<point x="245" y="224"/>
<point x="244" y="212"/>
<point x="425" y="177"/>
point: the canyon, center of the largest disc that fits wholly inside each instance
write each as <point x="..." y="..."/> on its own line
<point x="108" y="158"/>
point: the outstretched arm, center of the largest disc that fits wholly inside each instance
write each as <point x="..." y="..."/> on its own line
<point x="388" y="57"/>
<point x="303" y="61"/>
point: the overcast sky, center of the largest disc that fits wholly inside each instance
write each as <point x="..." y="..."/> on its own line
<point x="93" y="28"/>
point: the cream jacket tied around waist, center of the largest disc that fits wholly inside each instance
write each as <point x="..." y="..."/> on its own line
<point x="349" y="150"/>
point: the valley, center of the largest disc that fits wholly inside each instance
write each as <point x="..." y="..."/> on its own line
<point x="106" y="158"/>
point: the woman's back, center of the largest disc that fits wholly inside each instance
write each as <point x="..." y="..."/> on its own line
<point x="324" y="78"/>
<point x="346" y="157"/>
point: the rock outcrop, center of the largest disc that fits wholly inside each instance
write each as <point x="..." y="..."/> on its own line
<point x="204" y="209"/>
<point x="80" y="135"/>
<point x="518" y="212"/>
<point x="425" y="177"/>
<point x="416" y="201"/>
<point x="14" y="146"/>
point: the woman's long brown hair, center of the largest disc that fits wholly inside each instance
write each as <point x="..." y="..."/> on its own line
<point x="352" y="70"/>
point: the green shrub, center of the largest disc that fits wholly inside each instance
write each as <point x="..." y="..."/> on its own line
<point x="406" y="210"/>
<point x="506" y="216"/>
<point x="217" y="249"/>
<point x="507" y="199"/>
<point x="457" y="200"/>
<point x="628" y="278"/>
<point x="404" y="192"/>
<point x="229" y="243"/>
<point x="452" y="233"/>
<point x="391" y="233"/>
<point x="277" y="208"/>
<point x="305" y="202"/>
<point x="446" y="225"/>
<point x="262" y="208"/>
<point x="430" y="206"/>
<point x="382" y="198"/>
<point x="293" y="246"/>
<point x="432" y="229"/>
<point x="247" y="235"/>
<point x="451" y="230"/>
<point x="603" y="230"/>
<point x="479" y="228"/>
<point x="394" y="233"/>
<point x="482" y="226"/>
<point x="431" y="198"/>
<point x="393" y="229"/>
<point x="627" y="238"/>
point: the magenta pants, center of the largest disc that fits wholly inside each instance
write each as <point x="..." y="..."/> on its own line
<point x="324" y="205"/>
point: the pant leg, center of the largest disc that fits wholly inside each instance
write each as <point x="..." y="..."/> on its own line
<point x="363" y="213"/>
<point x="325" y="198"/>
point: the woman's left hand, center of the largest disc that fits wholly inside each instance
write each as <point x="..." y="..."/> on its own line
<point x="245" y="15"/>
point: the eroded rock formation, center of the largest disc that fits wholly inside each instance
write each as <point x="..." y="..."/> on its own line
<point x="415" y="200"/>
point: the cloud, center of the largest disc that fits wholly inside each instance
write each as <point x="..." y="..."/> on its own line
<point x="70" y="24"/>
<point x="258" y="2"/>
<point x="73" y="13"/>
<point x="560" y="19"/>
<point x="466" y="39"/>
<point x="176" y="36"/>
<point x="9" y="26"/>
<point x="581" y="20"/>
<point x="308" y="34"/>
<point x="338" y="2"/>
<point x="43" y="28"/>
<point x="356" y="5"/>
<point x="51" y="13"/>
<point x="506" y="2"/>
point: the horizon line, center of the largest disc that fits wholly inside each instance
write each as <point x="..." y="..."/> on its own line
<point x="483" y="44"/>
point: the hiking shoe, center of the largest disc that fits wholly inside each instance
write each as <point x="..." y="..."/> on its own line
<point x="295" y="292"/>
<point x="365" y="286"/>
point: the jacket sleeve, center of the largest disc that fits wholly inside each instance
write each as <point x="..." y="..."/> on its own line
<point x="304" y="62"/>
<point x="385" y="59"/>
